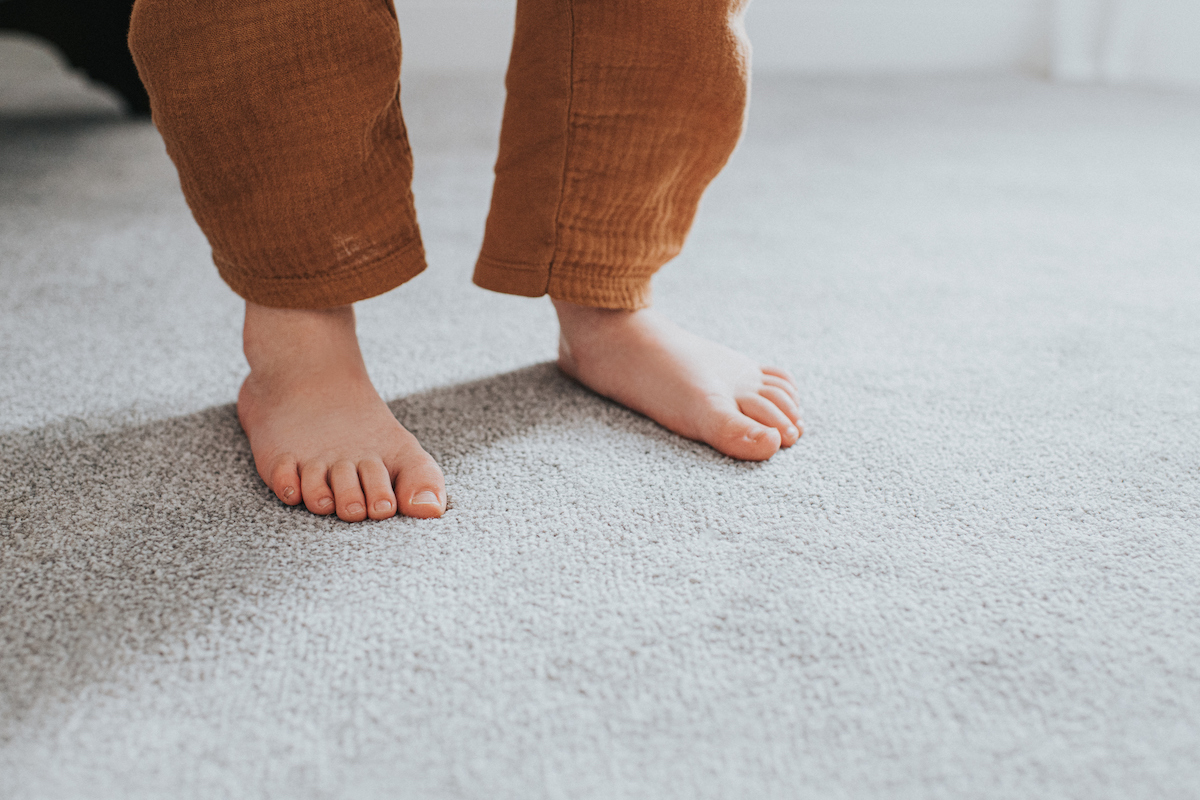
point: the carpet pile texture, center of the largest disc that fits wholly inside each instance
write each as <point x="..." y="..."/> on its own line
<point x="977" y="575"/>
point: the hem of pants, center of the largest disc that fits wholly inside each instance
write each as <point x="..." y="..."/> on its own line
<point x="525" y="280"/>
<point x="336" y="288"/>
<point x="528" y="280"/>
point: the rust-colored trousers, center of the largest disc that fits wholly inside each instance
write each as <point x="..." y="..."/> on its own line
<point x="283" y="119"/>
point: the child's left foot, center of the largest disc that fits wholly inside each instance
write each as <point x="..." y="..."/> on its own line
<point x="694" y="387"/>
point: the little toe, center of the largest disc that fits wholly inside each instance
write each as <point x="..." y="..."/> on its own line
<point x="377" y="486"/>
<point x="738" y="436"/>
<point x="784" y="401"/>
<point x="782" y="374"/>
<point x="347" y="492"/>
<point x="314" y="486"/>
<point x="285" y="482"/>
<point x="762" y="410"/>
<point x="787" y="386"/>
<point x="421" y="487"/>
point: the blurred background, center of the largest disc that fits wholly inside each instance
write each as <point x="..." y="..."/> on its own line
<point x="1151" y="42"/>
<point x="1114" y="40"/>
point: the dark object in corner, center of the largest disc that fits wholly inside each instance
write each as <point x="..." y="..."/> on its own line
<point x="90" y="33"/>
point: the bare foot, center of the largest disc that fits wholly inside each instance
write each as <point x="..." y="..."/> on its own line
<point x="694" y="387"/>
<point x="319" y="431"/>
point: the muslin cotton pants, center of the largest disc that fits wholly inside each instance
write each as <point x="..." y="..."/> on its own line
<point x="283" y="120"/>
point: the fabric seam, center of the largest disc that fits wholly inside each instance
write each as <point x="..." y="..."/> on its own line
<point x="569" y="134"/>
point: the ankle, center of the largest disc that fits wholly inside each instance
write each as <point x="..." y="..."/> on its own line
<point x="578" y="322"/>
<point x="278" y="339"/>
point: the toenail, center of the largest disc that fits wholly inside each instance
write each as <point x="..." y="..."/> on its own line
<point x="425" y="499"/>
<point x="791" y="431"/>
<point x="324" y="502"/>
<point x="354" y="508"/>
<point x="383" y="506"/>
<point x="288" y="492"/>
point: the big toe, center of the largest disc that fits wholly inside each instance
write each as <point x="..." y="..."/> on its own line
<point x="421" y="487"/>
<point x="740" y="437"/>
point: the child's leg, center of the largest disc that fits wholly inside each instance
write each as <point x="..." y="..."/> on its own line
<point x="283" y="119"/>
<point x="619" y="114"/>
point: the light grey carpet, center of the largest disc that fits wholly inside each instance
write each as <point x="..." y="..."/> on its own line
<point x="976" y="576"/>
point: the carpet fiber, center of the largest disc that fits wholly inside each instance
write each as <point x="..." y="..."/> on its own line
<point x="977" y="575"/>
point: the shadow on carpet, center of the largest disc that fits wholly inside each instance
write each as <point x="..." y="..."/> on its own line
<point x="120" y="542"/>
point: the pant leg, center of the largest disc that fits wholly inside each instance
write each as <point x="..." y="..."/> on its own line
<point x="619" y="114"/>
<point x="283" y="120"/>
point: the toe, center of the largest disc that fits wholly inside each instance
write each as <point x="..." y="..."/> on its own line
<point x="738" y="436"/>
<point x="782" y="374"/>
<point x="314" y="486"/>
<point x="285" y="482"/>
<point x="762" y="410"/>
<point x="377" y="486"/>
<point x="783" y="401"/>
<point x="787" y="386"/>
<point x="420" y="486"/>
<point x="347" y="492"/>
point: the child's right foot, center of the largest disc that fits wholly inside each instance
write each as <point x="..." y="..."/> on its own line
<point x="319" y="431"/>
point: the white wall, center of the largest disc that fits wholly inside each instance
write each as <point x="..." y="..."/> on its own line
<point x="467" y="35"/>
<point x="1155" y="41"/>
<point x="898" y="36"/>
<point x="815" y="36"/>
<point x="1139" y="41"/>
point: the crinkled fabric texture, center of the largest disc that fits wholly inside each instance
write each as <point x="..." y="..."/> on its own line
<point x="619" y="114"/>
<point x="283" y="119"/>
<point x="976" y="576"/>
